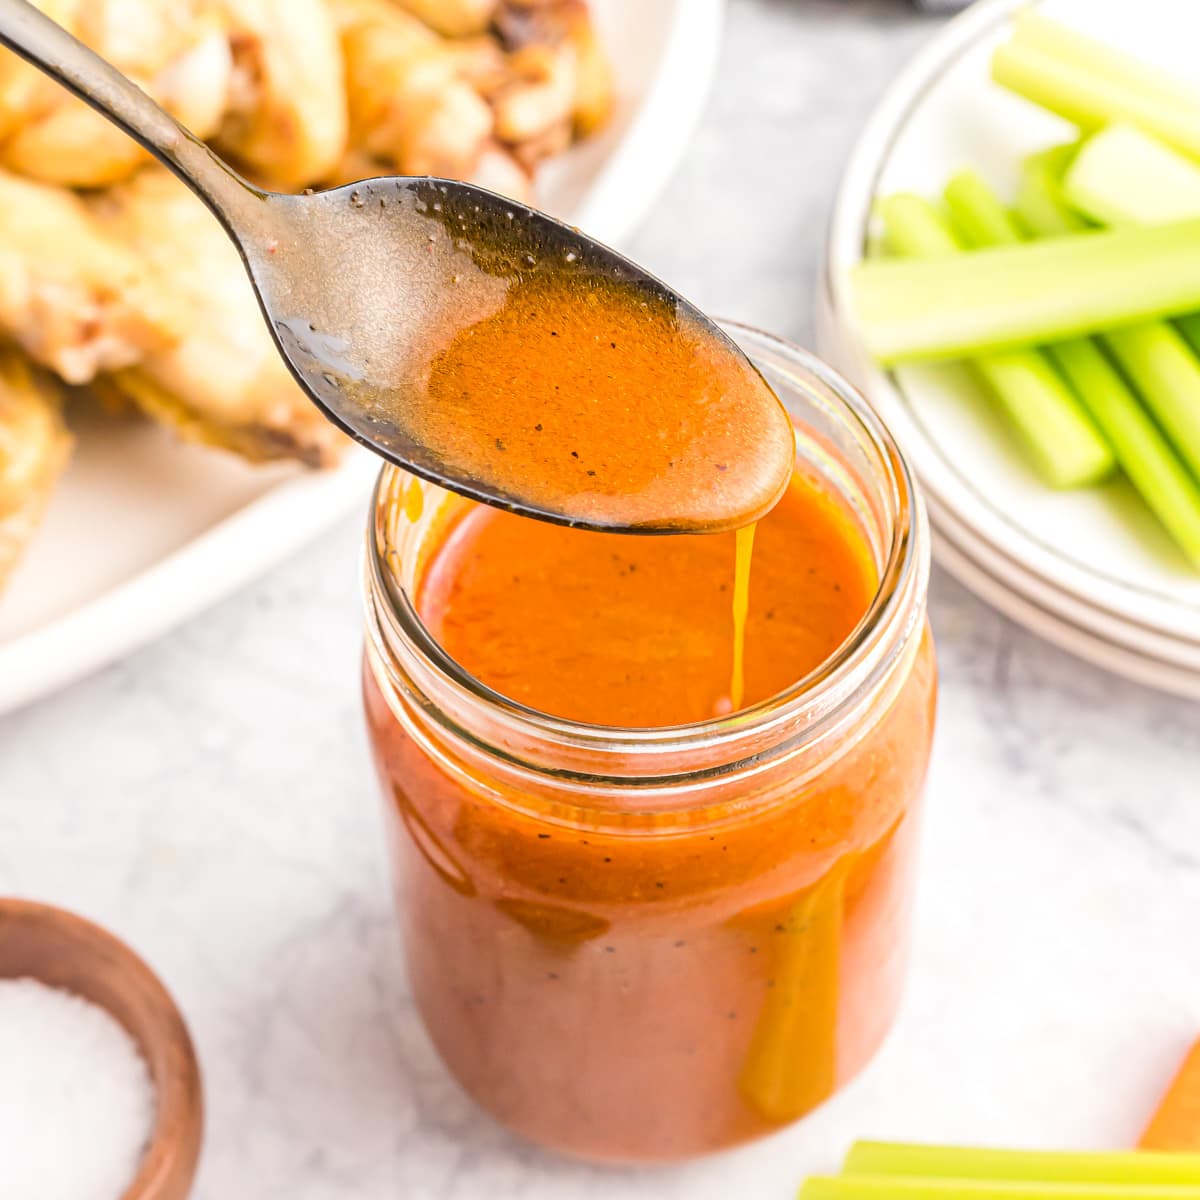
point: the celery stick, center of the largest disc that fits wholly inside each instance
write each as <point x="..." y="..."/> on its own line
<point x="1109" y="178"/>
<point x="1043" y="1166"/>
<point x="1065" y="446"/>
<point x="1189" y="326"/>
<point x="1040" y="208"/>
<point x="1035" y="30"/>
<point x="1017" y="295"/>
<point x="976" y="213"/>
<point x="1140" y="448"/>
<point x="1122" y="176"/>
<point x="1167" y="373"/>
<point x="1143" y="453"/>
<point x="1091" y="100"/>
<point x="1156" y="356"/>
<point x="913" y="228"/>
<point x="900" y="1187"/>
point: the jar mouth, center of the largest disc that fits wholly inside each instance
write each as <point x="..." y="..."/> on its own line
<point x="903" y="565"/>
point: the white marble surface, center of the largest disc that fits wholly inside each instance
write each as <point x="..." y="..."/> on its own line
<point x="209" y="799"/>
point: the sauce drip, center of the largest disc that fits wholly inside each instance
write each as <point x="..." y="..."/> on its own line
<point x="743" y="553"/>
<point x="607" y="404"/>
<point x="630" y="631"/>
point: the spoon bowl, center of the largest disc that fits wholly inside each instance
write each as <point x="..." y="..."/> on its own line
<point x="362" y="284"/>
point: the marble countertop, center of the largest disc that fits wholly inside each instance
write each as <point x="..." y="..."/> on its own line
<point x="209" y="799"/>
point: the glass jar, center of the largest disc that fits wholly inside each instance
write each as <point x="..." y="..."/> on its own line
<point x="644" y="944"/>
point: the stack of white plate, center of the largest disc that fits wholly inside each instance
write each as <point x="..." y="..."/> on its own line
<point x="1090" y="570"/>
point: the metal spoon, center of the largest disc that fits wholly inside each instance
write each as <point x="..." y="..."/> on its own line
<point x="357" y="282"/>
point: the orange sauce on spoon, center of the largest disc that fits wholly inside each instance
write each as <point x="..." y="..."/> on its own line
<point x="588" y="398"/>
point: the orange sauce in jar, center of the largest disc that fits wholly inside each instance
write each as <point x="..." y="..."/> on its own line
<point x="633" y="631"/>
<point x="632" y="936"/>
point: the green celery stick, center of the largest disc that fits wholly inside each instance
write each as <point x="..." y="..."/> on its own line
<point x="1040" y="209"/>
<point x="1038" y="32"/>
<point x="1092" y="100"/>
<point x="1158" y="359"/>
<point x="1189" y="326"/>
<point x="1065" y="445"/>
<point x="1122" y="176"/>
<point x="910" y="310"/>
<point x="1109" y="177"/>
<point x="978" y="216"/>
<point x="913" y="228"/>
<point x="1142" y="451"/>
<point x="1156" y="356"/>
<point x="901" y="1187"/>
<point x="1042" y="1166"/>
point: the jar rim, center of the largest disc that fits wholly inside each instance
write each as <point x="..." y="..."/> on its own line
<point x="822" y="691"/>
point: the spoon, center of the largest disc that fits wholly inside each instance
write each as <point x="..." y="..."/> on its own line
<point x="364" y="286"/>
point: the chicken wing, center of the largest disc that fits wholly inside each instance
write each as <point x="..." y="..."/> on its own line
<point x="34" y="447"/>
<point x="454" y="18"/>
<point x="410" y="110"/>
<point x="286" y="122"/>
<point x="224" y="382"/>
<point x="75" y="299"/>
<point x="566" y="26"/>
<point x="176" y="50"/>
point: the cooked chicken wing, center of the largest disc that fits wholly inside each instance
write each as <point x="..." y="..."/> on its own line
<point x="564" y="25"/>
<point x="73" y="297"/>
<point x="34" y="447"/>
<point x="223" y="383"/>
<point x="176" y="50"/>
<point x="411" y="112"/>
<point x="454" y="18"/>
<point x="286" y="121"/>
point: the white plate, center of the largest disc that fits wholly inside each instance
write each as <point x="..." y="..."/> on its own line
<point x="144" y="532"/>
<point x="1164" y="674"/>
<point x="1099" y="547"/>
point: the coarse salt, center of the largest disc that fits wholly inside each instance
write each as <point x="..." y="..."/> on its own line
<point x="76" y="1100"/>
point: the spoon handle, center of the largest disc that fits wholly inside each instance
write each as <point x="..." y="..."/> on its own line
<point x="47" y="46"/>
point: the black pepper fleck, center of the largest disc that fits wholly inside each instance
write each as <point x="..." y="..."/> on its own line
<point x="607" y="859"/>
<point x="538" y="428"/>
<point x="574" y="453"/>
<point x="680" y="944"/>
<point x="781" y="929"/>
<point x="499" y="444"/>
<point x="659" y="884"/>
<point x="545" y="837"/>
<point x="551" y="974"/>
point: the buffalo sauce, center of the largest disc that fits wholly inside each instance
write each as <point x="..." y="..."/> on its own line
<point x="603" y="404"/>
<point x="634" y="631"/>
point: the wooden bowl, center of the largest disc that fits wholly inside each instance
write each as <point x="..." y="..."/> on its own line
<point x="65" y="951"/>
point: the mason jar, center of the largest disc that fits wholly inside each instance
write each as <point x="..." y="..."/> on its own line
<point x="644" y="944"/>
